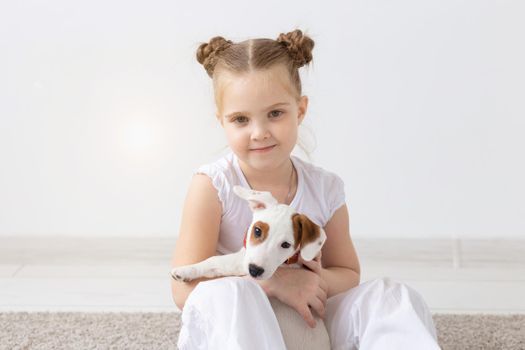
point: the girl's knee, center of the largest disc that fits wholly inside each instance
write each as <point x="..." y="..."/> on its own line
<point x="228" y="284"/>
<point x="401" y="290"/>
<point x="374" y="300"/>
<point x="217" y="284"/>
<point x="402" y="295"/>
<point x="224" y="289"/>
<point x="391" y="291"/>
<point x="386" y="285"/>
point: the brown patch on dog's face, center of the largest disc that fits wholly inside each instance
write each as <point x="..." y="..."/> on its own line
<point x="304" y="230"/>
<point x="259" y="232"/>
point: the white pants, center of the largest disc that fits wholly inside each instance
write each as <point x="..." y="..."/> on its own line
<point x="235" y="313"/>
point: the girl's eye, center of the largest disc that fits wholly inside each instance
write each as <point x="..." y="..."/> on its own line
<point x="241" y="119"/>
<point x="276" y="113"/>
<point x="285" y="245"/>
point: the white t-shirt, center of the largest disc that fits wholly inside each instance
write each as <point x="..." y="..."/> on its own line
<point x="319" y="194"/>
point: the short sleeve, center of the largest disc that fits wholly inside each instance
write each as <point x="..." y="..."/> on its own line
<point x="219" y="181"/>
<point x="336" y="197"/>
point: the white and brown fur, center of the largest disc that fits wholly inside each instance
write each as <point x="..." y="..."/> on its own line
<point x="274" y="238"/>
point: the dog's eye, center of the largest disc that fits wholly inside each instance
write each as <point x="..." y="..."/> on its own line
<point x="257" y="232"/>
<point x="285" y="245"/>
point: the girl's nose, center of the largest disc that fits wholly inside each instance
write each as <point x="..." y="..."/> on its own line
<point x="260" y="131"/>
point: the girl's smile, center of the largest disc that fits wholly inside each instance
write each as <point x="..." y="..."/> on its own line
<point x="263" y="149"/>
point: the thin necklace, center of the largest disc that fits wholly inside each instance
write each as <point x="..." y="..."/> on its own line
<point x="289" y="185"/>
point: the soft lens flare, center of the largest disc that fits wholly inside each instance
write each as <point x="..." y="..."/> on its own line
<point x="140" y="136"/>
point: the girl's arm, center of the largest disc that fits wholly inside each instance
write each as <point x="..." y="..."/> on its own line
<point x="341" y="269"/>
<point x="198" y="234"/>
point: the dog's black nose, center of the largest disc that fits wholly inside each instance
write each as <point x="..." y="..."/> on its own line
<point x="255" y="270"/>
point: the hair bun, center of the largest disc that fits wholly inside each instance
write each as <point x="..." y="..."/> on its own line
<point x="299" y="46"/>
<point x="207" y="52"/>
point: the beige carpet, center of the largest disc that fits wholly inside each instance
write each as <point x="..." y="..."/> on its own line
<point x="69" y="330"/>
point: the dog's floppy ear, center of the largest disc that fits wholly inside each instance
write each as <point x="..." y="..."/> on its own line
<point x="257" y="200"/>
<point x="308" y="236"/>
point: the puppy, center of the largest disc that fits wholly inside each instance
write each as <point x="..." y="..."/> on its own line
<point x="276" y="237"/>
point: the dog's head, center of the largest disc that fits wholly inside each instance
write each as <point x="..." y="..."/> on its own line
<point x="276" y="233"/>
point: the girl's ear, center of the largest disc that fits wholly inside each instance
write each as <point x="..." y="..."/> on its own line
<point x="308" y="236"/>
<point x="256" y="199"/>
<point x="219" y="118"/>
<point x="303" y="107"/>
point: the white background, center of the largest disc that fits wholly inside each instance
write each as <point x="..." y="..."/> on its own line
<point x="417" y="105"/>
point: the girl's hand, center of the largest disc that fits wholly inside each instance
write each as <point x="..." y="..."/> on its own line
<point x="313" y="265"/>
<point x="301" y="289"/>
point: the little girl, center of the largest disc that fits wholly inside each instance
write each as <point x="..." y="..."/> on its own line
<point x="260" y="107"/>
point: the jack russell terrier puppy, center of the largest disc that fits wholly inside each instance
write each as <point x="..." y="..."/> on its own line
<point x="276" y="237"/>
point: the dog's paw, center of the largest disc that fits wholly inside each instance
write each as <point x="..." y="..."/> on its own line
<point x="184" y="273"/>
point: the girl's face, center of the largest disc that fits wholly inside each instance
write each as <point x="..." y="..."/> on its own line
<point x="260" y="116"/>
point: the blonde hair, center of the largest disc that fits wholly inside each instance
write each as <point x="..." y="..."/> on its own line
<point x="293" y="50"/>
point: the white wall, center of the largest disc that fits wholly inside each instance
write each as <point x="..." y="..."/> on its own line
<point x="418" y="105"/>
